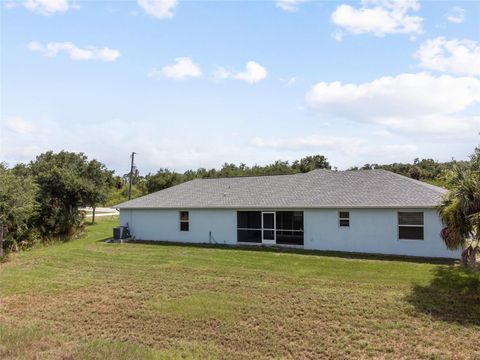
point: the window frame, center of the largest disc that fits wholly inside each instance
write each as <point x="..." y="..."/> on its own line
<point x="281" y="227"/>
<point x="340" y="218"/>
<point x="257" y="228"/>
<point x="183" y="221"/>
<point x="410" y="226"/>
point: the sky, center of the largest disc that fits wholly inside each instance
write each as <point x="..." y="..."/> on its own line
<point x="189" y="84"/>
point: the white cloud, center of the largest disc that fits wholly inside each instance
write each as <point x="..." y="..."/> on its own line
<point x="220" y="73"/>
<point x="379" y="17"/>
<point x="161" y="9"/>
<point x="351" y="147"/>
<point x="157" y="148"/>
<point x="456" y="15"/>
<point x="337" y="35"/>
<point x="290" y="81"/>
<point x="460" y="57"/>
<point x="46" y="7"/>
<point x="160" y="146"/>
<point x="288" y="5"/>
<point x="87" y="53"/>
<point x="414" y="104"/>
<point x="19" y="125"/>
<point x="183" y="68"/>
<point x="308" y="142"/>
<point x="9" y="5"/>
<point x="253" y="73"/>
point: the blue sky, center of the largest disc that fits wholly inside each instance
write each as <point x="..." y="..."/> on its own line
<point x="190" y="84"/>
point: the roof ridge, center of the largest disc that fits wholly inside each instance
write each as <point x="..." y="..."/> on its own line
<point x="418" y="182"/>
<point x="247" y="176"/>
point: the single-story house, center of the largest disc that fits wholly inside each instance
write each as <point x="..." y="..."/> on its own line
<point x="365" y="211"/>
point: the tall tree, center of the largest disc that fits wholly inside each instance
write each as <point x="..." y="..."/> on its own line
<point x="99" y="180"/>
<point x="66" y="181"/>
<point x="17" y="203"/>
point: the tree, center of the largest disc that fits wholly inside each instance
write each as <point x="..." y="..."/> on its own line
<point x="163" y="179"/>
<point x="310" y="163"/>
<point x="17" y="203"/>
<point x="100" y="179"/>
<point x="66" y="181"/>
<point x="460" y="211"/>
<point x="415" y="172"/>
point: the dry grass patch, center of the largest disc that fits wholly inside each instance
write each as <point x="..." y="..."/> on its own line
<point x="202" y="306"/>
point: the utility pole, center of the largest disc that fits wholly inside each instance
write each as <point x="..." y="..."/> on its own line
<point x="130" y="178"/>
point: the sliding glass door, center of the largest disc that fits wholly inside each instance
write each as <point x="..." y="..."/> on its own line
<point x="268" y="228"/>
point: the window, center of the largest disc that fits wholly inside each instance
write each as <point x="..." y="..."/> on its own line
<point x="184" y="224"/>
<point x="344" y="218"/>
<point x="410" y="225"/>
<point x="289" y="227"/>
<point x="249" y="226"/>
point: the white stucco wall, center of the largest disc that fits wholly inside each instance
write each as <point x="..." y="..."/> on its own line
<point x="164" y="225"/>
<point x="370" y="231"/>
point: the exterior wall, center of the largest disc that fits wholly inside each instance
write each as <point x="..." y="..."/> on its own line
<point x="370" y="231"/>
<point x="164" y="225"/>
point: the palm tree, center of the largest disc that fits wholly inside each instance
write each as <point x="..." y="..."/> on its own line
<point x="460" y="212"/>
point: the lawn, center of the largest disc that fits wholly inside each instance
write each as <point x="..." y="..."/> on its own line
<point x="86" y="299"/>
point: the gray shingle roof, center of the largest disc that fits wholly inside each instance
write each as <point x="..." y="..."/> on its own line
<point x="315" y="189"/>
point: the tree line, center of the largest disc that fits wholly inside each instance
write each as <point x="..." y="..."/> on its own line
<point x="427" y="170"/>
<point x="165" y="178"/>
<point x="40" y="201"/>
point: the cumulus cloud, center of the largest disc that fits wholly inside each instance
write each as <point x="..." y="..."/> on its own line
<point x="460" y="57"/>
<point x="183" y="68"/>
<point x="46" y="7"/>
<point x="75" y="53"/>
<point x="161" y="9"/>
<point x="379" y="17"/>
<point x="288" y="5"/>
<point x="19" y="125"/>
<point x="415" y="104"/>
<point x="253" y="73"/>
<point x="456" y="15"/>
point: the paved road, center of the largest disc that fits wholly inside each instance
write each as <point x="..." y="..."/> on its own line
<point x="100" y="211"/>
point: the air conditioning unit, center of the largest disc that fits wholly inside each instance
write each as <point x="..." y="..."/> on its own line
<point x="120" y="233"/>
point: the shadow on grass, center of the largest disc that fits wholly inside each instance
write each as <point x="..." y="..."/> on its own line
<point x="453" y="295"/>
<point x="279" y="249"/>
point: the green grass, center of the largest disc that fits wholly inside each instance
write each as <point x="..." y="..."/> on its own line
<point x="87" y="299"/>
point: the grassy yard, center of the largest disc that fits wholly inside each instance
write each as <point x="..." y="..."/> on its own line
<point x="90" y="300"/>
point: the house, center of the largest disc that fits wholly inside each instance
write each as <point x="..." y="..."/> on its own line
<point x="366" y="211"/>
